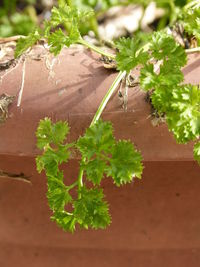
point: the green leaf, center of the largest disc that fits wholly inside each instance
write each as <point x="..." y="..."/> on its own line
<point x="57" y="194"/>
<point x="164" y="47"/>
<point x="95" y="170"/>
<point x="97" y="139"/>
<point x="103" y="155"/>
<point x="148" y="78"/>
<point x="48" y="133"/>
<point x="68" y="14"/>
<point x="44" y="133"/>
<point x="91" y="210"/>
<point x="24" y="43"/>
<point x="57" y="41"/>
<point x="125" y="163"/>
<point x="169" y="75"/>
<point x="191" y="21"/>
<point x="60" y="130"/>
<point x="197" y="152"/>
<point x="128" y="56"/>
<point x="52" y="157"/>
<point x="65" y="220"/>
<point x="161" y="99"/>
<point x="71" y="18"/>
<point x="183" y="116"/>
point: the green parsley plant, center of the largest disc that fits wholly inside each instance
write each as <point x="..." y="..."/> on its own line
<point x="160" y="62"/>
<point x="102" y="156"/>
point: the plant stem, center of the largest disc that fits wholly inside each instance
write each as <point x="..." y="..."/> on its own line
<point x="96" y="49"/>
<point x="72" y="186"/>
<point x="192" y="50"/>
<point x="80" y="179"/>
<point x="107" y="96"/>
<point x="97" y="115"/>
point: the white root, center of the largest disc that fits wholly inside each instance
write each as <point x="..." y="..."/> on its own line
<point x="22" y="84"/>
<point x="50" y="65"/>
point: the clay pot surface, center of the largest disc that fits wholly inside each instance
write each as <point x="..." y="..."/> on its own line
<point x="70" y="88"/>
<point x="155" y="221"/>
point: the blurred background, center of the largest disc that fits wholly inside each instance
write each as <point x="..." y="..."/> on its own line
<point x="113" y="18"/>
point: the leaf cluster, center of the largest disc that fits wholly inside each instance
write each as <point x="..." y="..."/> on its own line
<point x="61" y="30"/>
<point x="190" y="19"/>
<point x="161" y="71"/>
<point x="102" y="156"/>
<point x="130" y="55"/>
<point x="180" y="102"/>
<point x="105" y="156"/>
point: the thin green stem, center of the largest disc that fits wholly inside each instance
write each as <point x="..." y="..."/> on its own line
<point x="80" y="179"/>
<point x="70" y="187"/>
<point x="94" y="26"/>
<point x="107" y="96"/>
<point x="97" y="115"/>
<point x="192" y="50"/>
<point x="96" y="49"/>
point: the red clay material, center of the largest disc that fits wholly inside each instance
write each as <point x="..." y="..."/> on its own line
<point x="155" y="221"/>
<point x="71" y="90"/>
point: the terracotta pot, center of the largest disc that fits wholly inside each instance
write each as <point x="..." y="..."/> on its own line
<point x="155" y="221"/>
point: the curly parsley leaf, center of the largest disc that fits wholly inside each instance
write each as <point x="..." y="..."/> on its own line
<point x="105" y="156"/>
<point x="57" y="41"/>
<point x="148" y="78"/>
<point x="101" y="155"/>
<point x="97" y="139"/>
<point x="197" y="152"/>
<point x="48" y="133"/>
<point x="168" y="75"/>
<point x="91" y="210"/>
<point x="67" y="14"/>
<point x="191" y="19"/>
<point x="24" y="43"/>
<point x="164" y="47"/>
<point x="58" y="195"/>
<point x="51" y="138"/>
<point x="128" y="56"/>
<point x="182" y="107"/>
<point x="95" y="170"/>
<point x="65" y="220"/>
<point x="51" y="158"/>
<point x="183" y="117"/>
<point x="161" y="99"/>
<point x="69" y="18"/>
<point x="125" y="163"/>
